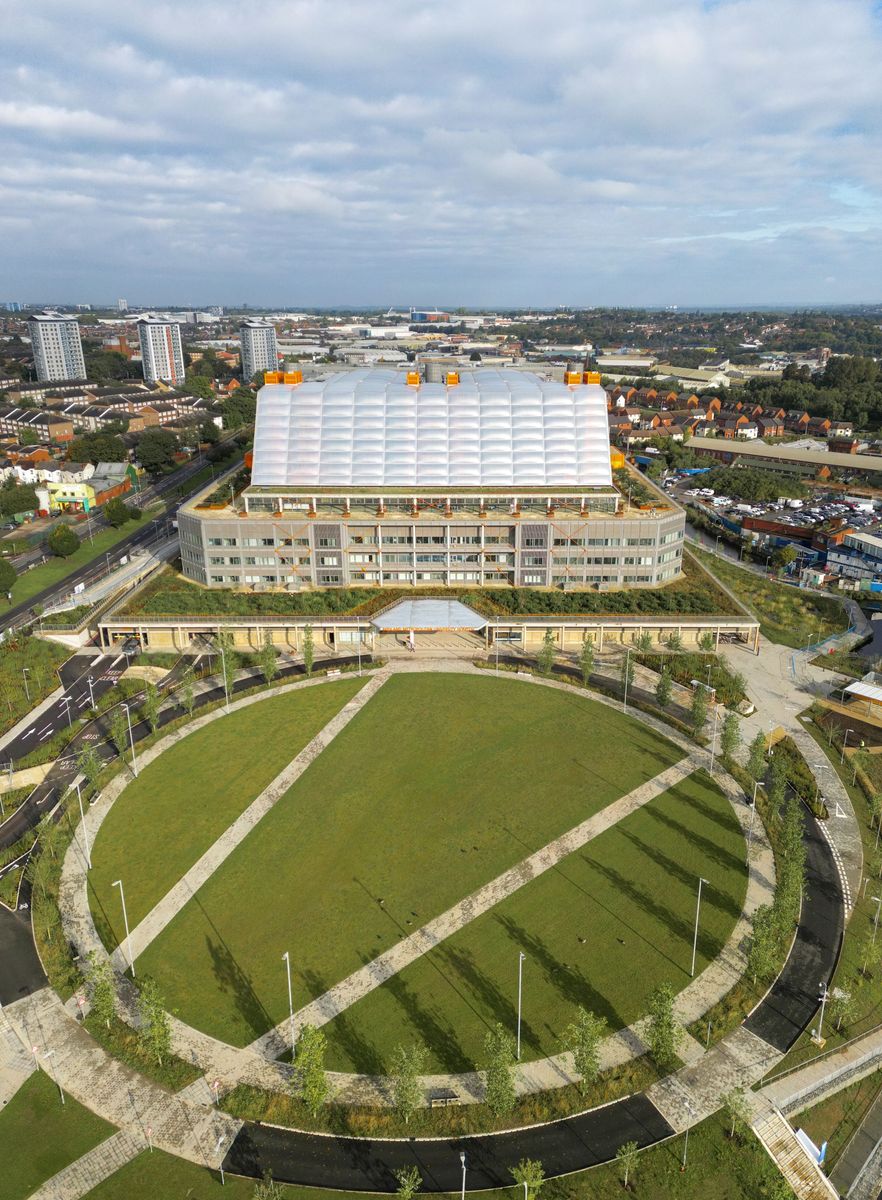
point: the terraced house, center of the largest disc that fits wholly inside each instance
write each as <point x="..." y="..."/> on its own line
<point x="375" y="477"/>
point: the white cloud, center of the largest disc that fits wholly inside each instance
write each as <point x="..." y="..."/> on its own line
<point x="479" y="151"/>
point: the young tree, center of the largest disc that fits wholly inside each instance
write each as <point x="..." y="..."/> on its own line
<point x="99" y="977"/>
<point x="663" y="688"/>
<point x="644" y="642"/>
<point x="762" y="949"/>
<point x="586" y="660"/>
<point x="756" y="759"/>
<point x="224" y="641"/>
<point x="737" y="1111"/>
<point x="663" y="1032"/>
<point x="62" y="541"/>
<point x="698" y="709"/>
<point x="545" y="657"/>
<point x="309" y="1077"/>
<point x="843" y="1005"/>
<point x="151" y="706"/>
<point x="7" y="576"/>
<point x="869" y="954"/>
<point x="308" y="650"/>
<point x="530" y="1175"/>
<point x="48" y="835"/>
<point x="117" y="512"/>
<point x="675" y="641"/>
<point x="582" y="1038"/>
<point x="89" y="765"/>
<point x="409" y="1182"/>
<point x="268" y="1189"/>
<point x="777" y="788"/>
<point x="119" y="730"/>
<point x="406" y="1090"/>
<point x="154" y="1025"/>
<point x="706" y="643"/>
<point x="626" y="1157"/>
<point x="499" y="1054"/>
<point x="268" y="659"/>
<point x="730" y="737"/>
<point x="187" y="692"/>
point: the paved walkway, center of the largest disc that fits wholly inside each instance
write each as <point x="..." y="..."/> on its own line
<point x="16" y="1063"/>
<point x="826" y="1074"/>
<point x="375" y="973"/>
<point x="201" y="871"/>
<point x="254" y="1065"/>
<point x="180" y="1124"/>
<point x="85" y="1173"/>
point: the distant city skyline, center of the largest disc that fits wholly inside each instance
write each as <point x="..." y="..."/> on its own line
<point x="698" y="153"/>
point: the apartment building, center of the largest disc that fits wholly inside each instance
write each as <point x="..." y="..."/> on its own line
<point x="57" y="347"/>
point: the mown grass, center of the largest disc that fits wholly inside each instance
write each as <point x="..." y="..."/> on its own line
<point x="787" y="615"/>
<point x="39" y="1135"/>
<point x="440" y="783"/>
<point x="181" y="803"/>
<point x="601" y="930"/>
<point x="837" y="1118"/>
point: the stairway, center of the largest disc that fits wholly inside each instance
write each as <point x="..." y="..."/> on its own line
<point x="801" y="1172"/>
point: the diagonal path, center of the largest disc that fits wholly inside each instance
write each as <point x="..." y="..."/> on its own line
<point x="175" y="899"/>
<point x="351" y="989"/>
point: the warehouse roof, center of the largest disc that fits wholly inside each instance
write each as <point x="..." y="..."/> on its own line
<point x="369" y="428"/>
<point x="785" y="453"/>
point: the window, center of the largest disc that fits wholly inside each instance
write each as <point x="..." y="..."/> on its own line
<point x="534" y="560"/>
<point x="535" y="542"/>
<point x="329" y="560"/>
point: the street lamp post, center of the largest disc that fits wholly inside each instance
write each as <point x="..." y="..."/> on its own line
<point x="90" y="681"/>
<point x="878" y="900"/>
<point x="752" y="818"/>
<point x="122" y="896"/>
<point x="462" y="1159"/>
<point x="691" y="1112"/>
<point x="844" y="743"/>
<point x="714" y="740"/>
<point x="51" y="1054"/>
<point x="25" y="672"/>
<point x="131" y="741"/>
<point x="823" y="998"/>
<point x="627" y="673"/>
<point x="521" y="957"/>
<point x="66" y="702"/>
<point x="85" y="830"/>
<point x="224" y="674"/>
<point x="287" y="960"/>
<point x="695" y="936"/>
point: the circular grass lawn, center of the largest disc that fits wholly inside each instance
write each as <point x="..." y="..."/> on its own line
<point x="438" y="785"/>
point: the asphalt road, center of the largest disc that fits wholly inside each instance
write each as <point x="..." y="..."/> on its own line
<point x="94" y="570"/>
<point x="360" y="1164"/>
<point x="564" y="1146"/>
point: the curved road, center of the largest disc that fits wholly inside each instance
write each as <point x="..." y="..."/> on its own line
<point x="563" y="1146"/>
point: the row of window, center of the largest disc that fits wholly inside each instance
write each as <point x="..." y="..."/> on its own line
<point x="582" y="541"/>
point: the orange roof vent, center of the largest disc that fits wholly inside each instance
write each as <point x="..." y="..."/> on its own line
<point x="413" y="378"/>
<point x="572" y="377"/>
<point x="452" y="378"/>
<point x="272" y="377"/>
<point x="293" y="377"/>
<point x="591" y="377"/>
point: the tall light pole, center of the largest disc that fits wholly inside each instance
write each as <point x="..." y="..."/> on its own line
<point x="521" y="957"/>
<point x="25" y="672"/>
<point x="90" y="681"/>
<point x="66" y="702"/>
<point x="287" y="960"/>
<point x="822" y="986"/>
<point x="695" y="936"/>
<point x="844" y="743"/>
<point x="85" y="830"/>
<point x="691" y="1112"/>
<point x="51" y="1054"/>
<point x="224" y="674"/>
<point x="627" y="673"/>
<point x="462" y="1159"/>
<point x="750" y="826"/>
<point x="122" y="896"/>
<point x="131" y="741"/>
<point x="878" y="900"/>
<point x="714" y="740"/>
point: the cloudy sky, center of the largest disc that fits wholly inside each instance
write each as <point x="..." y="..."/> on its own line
<point x="475" y="152"/>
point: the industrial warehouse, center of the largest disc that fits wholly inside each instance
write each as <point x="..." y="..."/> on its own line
<point x="489" y="478"/>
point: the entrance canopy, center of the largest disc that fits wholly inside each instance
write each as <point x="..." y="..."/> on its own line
<point x="429" y="614"/>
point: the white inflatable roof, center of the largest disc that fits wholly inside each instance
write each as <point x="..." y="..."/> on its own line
<point x="370" y="429"/>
